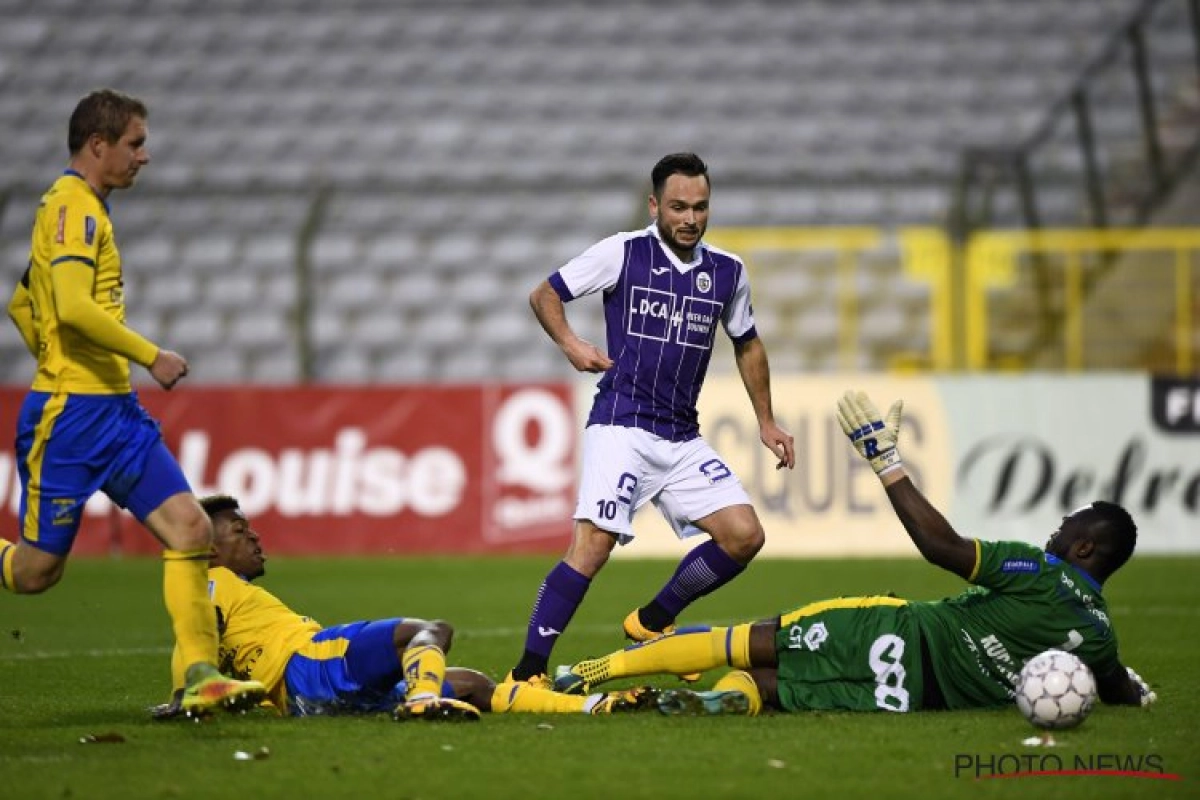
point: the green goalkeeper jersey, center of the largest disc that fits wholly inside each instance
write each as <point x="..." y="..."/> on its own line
<point x="1024" y="601"/>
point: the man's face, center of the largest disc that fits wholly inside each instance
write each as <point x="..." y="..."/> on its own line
<point x="121" y="160"/>
<point x="682" y="213"/>
<point x="235" y="545"/>
<point x="1059" y="543"/>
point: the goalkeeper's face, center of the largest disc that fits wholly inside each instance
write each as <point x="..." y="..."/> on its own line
<point x="236" y="546"/>
<point x="1072" y="529"/>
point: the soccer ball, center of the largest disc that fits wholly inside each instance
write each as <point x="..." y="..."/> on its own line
<point x="1055" y="690"/>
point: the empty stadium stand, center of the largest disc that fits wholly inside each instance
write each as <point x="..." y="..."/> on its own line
<point x="366" y="191"/>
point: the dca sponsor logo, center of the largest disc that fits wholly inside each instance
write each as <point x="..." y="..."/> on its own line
<point x="652" y="313"/>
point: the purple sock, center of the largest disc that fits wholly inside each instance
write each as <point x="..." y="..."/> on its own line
<point x="560" y="595"/>
<point x="703" y="570"/>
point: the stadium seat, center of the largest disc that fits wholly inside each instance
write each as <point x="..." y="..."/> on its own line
<point x="224" y="365"/>
<point x="403" y="365"/>
<point x="193" y="329"/>
<point x="280" y="365"/>
<point x="343" y="365"/>
<point x="351" y="291"/>
<point x="168" y="292"/>
<point x="259" y="331"/>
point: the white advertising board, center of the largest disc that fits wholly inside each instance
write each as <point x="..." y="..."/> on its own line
<point x="1002" y="457"/>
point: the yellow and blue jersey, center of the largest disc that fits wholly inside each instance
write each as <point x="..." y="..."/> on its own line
<point x="307" y="669"/>
<point x="72" y="228"/>
<point x="81" y="429"/>
<point x="258" y="633"/>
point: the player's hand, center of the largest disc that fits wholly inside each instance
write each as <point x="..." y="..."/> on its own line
<point x="872" y="436"/>
<point x="586" y="357"/>
<point x="169" y="710"/>
<point x="779" y="442"/>
<point x="168" y="367"/>
<point x="1144" y="691"/>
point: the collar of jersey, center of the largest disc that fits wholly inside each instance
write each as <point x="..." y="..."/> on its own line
<point x="682" y="266"/>
<point x="1053" y="559"/>
<point x="75" y="174"/>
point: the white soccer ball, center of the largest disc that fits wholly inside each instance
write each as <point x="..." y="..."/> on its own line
<point x="1056" y="690"/>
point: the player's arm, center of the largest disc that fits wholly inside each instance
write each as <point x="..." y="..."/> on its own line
<point x="875" y="440"/>
<point x="1124" y="687"/>
<point x="551" y="314"/>
<point x="751" y="358"/>
<point x="72" y="279"/>
<point x="20" y="311"/>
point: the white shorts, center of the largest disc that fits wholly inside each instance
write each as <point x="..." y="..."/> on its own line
<point x="625" y="467"/>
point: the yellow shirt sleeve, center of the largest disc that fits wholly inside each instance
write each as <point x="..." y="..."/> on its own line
<point x="72" y="281"/>
<point x="20" y="310"/>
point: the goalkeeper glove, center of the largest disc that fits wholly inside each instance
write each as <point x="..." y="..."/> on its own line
<point x="873" y="437"/>
<point x="1144" y="691"/>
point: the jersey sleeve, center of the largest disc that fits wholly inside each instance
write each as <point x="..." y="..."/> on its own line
<point x="73" y="280"/>
<point x="79" y="231"/>
<point x="739" y="314"/>
<point x="1007" y="566"/>
<point x="596" y="269"/>
<point x="20" y="311"/>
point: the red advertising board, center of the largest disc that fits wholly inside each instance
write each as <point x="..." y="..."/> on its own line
<point x="398" y="469"/>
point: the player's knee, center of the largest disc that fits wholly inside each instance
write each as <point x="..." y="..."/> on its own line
<point x="194" y="531"/>
<point x="36" y="581"/>
<point x="744" y="545"/>
<point x="442" y="633"/>
<point x="438" y="633"/>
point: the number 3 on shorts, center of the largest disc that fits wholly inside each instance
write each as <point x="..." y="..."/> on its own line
<point x="715" y="470"/>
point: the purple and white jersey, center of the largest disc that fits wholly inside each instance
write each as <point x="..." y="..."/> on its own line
<point x="661" y="319"/>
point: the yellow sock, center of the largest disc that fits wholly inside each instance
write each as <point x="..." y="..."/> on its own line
<point x="684" y="652"/>
<point x="524" y="697"/>
<point x="424" y="671"/>
<point x="185" y="590"/>
<point x="8" y="551"/>
<point x="740" y="681"/>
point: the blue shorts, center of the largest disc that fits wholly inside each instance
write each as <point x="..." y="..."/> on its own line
<point x="69" y="446"/>
<point x="348" y="669"/>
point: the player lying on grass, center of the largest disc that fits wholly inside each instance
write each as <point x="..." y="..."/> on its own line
<point x="884" y="653"/>
<point x="396" y="665"/>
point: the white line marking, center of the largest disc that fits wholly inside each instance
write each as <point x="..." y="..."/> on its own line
<point x="498" y="633"/>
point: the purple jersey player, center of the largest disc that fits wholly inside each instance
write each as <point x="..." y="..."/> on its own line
<point x="665" y="293"/>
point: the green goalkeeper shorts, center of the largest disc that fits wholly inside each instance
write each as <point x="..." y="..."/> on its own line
<point x="851" y="654"/>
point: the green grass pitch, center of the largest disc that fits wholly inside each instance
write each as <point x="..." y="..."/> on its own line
<point x="91" y="655"/>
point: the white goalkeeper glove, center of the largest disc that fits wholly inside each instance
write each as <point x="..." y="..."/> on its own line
<point x="1147" y="694"/>
<point x="872" y="436"/>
